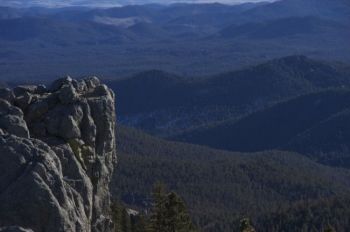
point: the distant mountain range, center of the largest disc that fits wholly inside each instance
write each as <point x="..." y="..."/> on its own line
<point x="186" y="39"/>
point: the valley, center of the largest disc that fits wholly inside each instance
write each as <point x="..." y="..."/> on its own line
<point x="242" y="110"/>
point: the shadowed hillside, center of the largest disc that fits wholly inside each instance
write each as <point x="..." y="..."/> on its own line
<point x="166" y="104"/>
<point x="314" y="124"/>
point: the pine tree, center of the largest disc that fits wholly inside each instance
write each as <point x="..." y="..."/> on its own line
<point x="121" y="218"/>
<point x="117" y="216"/>
<point x="157" y="219"/>
<point x="177" y="218"/>
<point x="245" y="226"/>
<point x="329" y="229"/>
<point x="169" y="213"/>
<point x="125" y="221"/>
<point x="139" y="223"/>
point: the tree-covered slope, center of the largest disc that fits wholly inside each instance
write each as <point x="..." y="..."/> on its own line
<point x="220" y="187"/>
<point x="310" y="216"/>
<point x="327" y="141"/>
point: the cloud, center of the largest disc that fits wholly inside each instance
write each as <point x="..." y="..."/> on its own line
<point x="109" y="3"/>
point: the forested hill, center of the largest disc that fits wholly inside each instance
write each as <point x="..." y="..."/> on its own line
<point x="164" y="104"/>
<point x="313" y="124"/>
<point x="222" y="187"/>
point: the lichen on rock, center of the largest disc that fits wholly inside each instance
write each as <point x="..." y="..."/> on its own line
<point x="57" y="153"/>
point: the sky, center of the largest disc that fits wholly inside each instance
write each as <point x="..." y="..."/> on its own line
<point x="191" y="1"/>
<point x="106" y="3"/>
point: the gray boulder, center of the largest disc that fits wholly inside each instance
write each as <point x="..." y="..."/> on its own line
<point x="69" y="128"/>
<point x="14" y="125"/>
<point x="23" y="100"/>
<point x="11" y="120"/>
<point x="57" y="84"/>
<point x="37" y="110"/>
<point x="7" y="94"/>
<point x="22" y="89"/>
<point x="68" y="94"/>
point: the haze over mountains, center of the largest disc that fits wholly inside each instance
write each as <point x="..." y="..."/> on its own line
<point x="185" y="39"/>
<point x="109" y="3"/>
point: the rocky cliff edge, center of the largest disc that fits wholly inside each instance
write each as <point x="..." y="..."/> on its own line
<point x="57" y="152"/>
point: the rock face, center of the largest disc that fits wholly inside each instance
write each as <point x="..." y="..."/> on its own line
<point x="57" y="153"/>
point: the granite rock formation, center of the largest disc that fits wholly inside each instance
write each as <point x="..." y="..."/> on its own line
<point x="57" y="153"/>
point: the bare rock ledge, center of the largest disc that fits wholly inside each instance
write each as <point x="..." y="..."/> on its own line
<point x="57" y="153"/>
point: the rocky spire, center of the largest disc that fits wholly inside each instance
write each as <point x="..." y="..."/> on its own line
<point x="57" y="153"/>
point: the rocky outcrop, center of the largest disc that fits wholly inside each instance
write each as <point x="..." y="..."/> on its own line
<point x="57" y="153"/>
